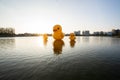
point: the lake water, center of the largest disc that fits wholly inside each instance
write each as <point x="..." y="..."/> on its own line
<point x="32" y="58"/>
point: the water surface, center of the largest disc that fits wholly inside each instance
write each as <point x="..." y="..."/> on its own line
<point x="86" y="58"/>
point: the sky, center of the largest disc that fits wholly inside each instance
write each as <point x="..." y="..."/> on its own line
<point x="39" y="16"/>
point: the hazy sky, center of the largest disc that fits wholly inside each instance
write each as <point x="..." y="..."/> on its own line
<point x="39" y="16"/>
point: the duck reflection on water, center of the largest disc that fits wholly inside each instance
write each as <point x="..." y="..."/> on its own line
<point x="57" y="46"/>
<point x="45" y="39"/>
<point x="72" y="43"/>
<point x="45" y="42"/>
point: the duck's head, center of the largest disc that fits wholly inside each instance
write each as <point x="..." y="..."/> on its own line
<point x="57" y="28"/>
<point x="72" y="34"/>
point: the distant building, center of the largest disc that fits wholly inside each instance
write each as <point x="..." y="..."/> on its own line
<point x="86" y="33"/>
<point x="77" y="33"/>
<point x="96" y="33"/>
<point x="100" y="33"/>
<point x="116" y="32"/>
<point x="109" y="33"/>
<point x="113" y="31"/>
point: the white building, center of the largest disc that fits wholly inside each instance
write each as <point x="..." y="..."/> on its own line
<point x="109" y="33"/>
<point x="77" y="33"/>
<point x="86" y="33"/>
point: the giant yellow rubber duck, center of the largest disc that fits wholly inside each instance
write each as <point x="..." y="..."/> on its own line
<point x="72" y="36"/>
<point x="57" y="32"/>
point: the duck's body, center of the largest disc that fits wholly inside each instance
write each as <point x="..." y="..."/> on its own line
<point x="58" y="35"/>
<point x="72" y="36"/>
<point x="57" y="32"/>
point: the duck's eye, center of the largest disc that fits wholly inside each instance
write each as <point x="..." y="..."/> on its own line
<point x="58" y="28"/>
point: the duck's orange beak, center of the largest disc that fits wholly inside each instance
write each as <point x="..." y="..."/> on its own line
<point x="54" y="30"/>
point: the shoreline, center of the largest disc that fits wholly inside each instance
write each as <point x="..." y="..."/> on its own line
<point x="66" y="35"/>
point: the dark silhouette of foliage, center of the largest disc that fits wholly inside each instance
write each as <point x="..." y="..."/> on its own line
<point x="6" y="32"/>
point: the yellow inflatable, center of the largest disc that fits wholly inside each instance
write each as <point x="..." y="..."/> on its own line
<point x="45" y="36"/>
<point x="72" y="36"/>
<point x="57" y="32"/>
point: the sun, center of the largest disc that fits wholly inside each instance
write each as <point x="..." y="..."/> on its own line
<point x="37" y="25"/>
